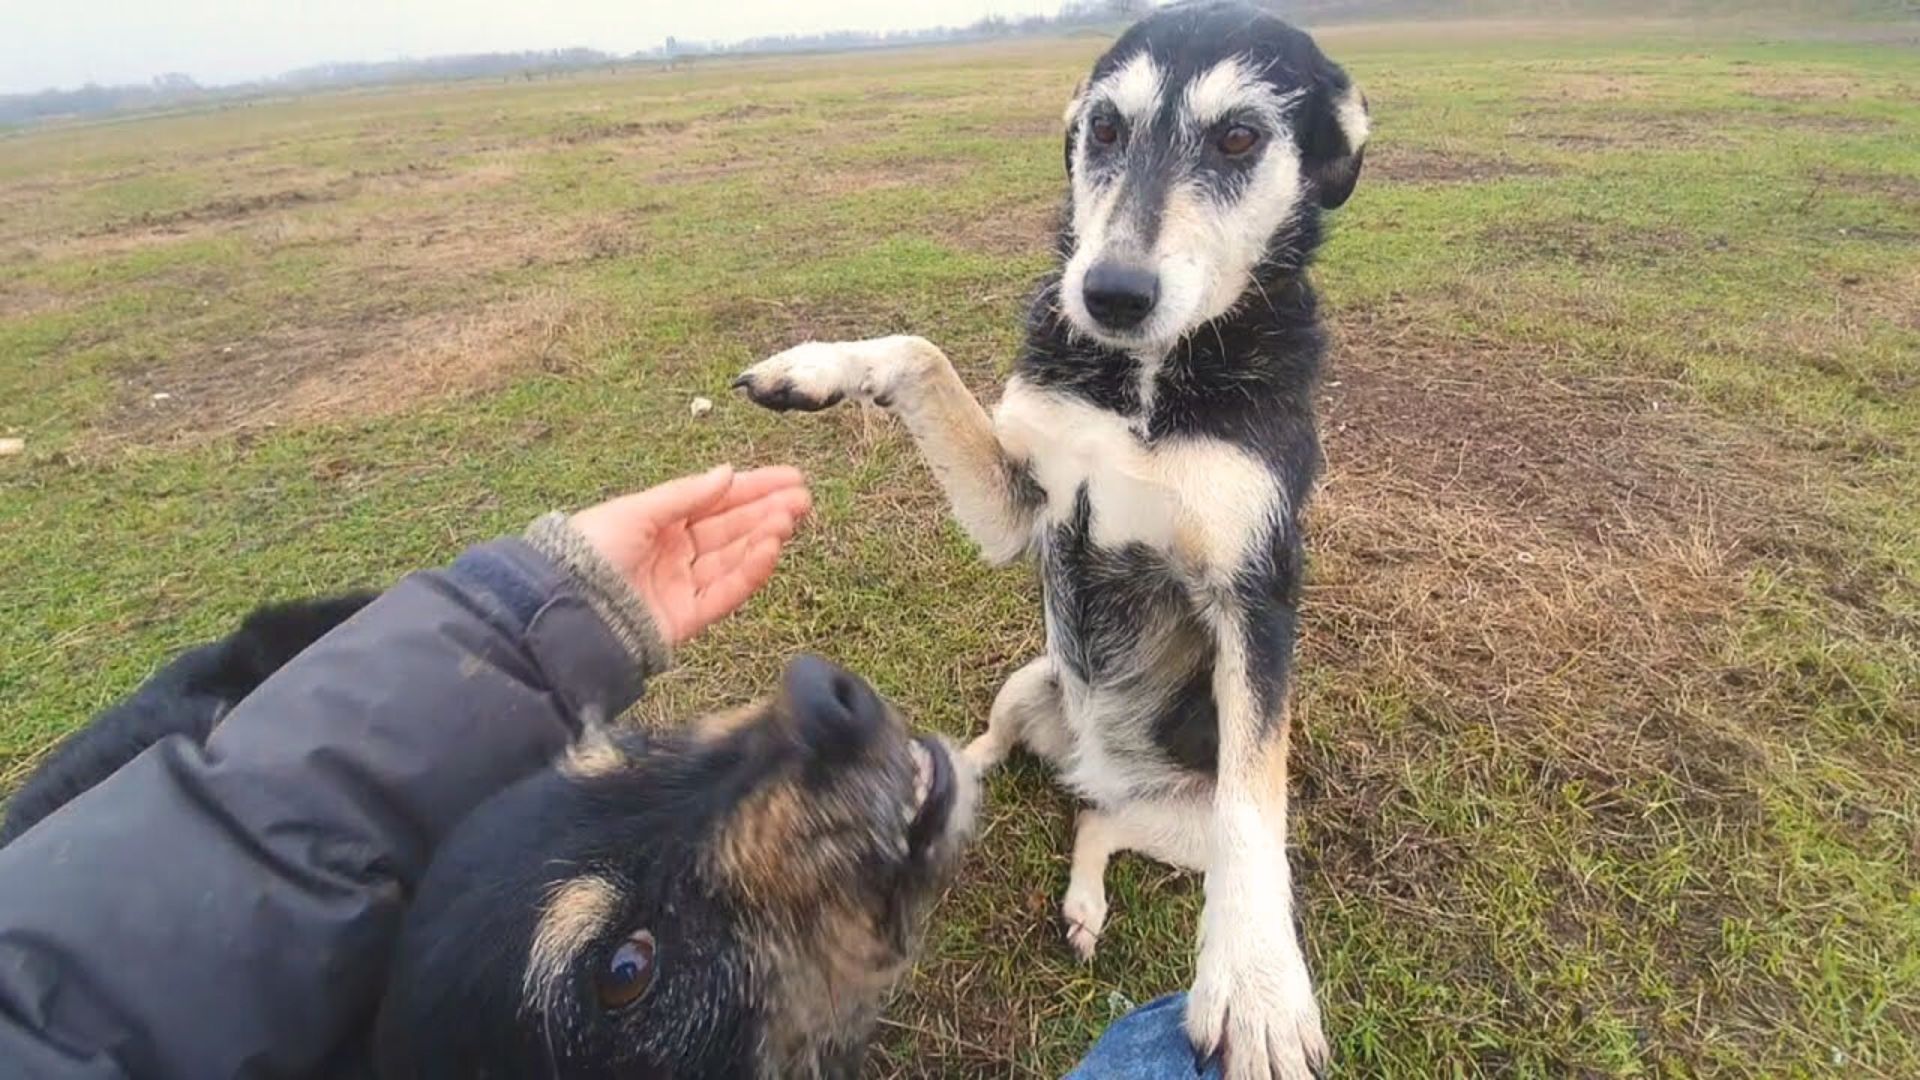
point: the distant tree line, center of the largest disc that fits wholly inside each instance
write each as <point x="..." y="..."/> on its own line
<point x="175" y="90"/>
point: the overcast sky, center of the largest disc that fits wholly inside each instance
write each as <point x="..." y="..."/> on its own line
<point x="69" y="42"/>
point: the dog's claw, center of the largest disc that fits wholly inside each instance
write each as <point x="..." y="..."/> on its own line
<point x="1204" y="1059"/>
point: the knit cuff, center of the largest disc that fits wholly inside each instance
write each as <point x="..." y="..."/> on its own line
<point x="611" y="598"/>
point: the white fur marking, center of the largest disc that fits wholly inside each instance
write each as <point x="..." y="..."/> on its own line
<point x="1134" y="89"/>
<point x="575" y="912"/>
<point x="1351" y="112"/>
<point x="1225" y="87"/>
<point x="1203" y="500"/>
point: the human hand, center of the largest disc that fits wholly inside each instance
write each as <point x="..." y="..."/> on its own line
<point x="696" y="548"/>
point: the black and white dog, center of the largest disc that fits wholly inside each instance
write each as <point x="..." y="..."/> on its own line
<point x="1154" y="449"/>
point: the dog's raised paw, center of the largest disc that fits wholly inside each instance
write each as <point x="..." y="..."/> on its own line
<point x="805" y="378"/>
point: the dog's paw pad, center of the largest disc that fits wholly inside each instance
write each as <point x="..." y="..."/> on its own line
<point x="781" y="395"/>
<point x="806" y="378"/>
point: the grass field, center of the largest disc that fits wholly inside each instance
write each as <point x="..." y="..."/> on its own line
<point x="1610" y="700"/>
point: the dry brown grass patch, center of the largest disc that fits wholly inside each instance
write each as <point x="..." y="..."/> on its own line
<point x="1415" y="165"/>
<point x="374" y="363"/>
<point x="1488" y="423"/>
<point x="1590" y="243"/>
<point x="1585" y="86"/>
<point x="1011" y="230"/>
<point x="1599" y="130"/>
<point x="1783" y="86"/>
<point x="1542" y="563"/>
<point x="1517" y="542"/>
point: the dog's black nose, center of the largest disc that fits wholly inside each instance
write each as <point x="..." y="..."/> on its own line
<point x="1120" y="295"/>
<point x="835" y="712"/>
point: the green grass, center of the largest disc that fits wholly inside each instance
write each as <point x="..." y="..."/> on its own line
<point x="1610" y="695"/>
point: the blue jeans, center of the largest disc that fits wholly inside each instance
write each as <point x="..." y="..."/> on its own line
<point x="1149" y="1043"/>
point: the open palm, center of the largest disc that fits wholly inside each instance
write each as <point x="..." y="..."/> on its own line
<point x="696" y="548"/>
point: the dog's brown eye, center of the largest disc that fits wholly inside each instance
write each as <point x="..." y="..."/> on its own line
<point x="1105" y="132"/>
<point x="628" y="972"/>
<point x="1238" y="140"/>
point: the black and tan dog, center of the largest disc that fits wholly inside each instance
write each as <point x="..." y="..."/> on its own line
<point x="1154" y="451"/>
<point x="734" y="899"/>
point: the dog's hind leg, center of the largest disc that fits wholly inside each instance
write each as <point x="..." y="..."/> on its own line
<point x="1026" y="711"/>
<point x="994" y="500"/>
<point x="1174" y="832"/>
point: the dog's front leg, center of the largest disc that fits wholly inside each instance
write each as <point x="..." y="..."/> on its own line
<point x="993" y="499"/>
<point x="1253" y="998"/>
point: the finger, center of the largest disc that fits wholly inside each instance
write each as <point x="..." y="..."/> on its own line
<point x="676" y="499"/>
<point x="718" y="530"/>
<point x="731" y="589"/>
<point x="756" y="483"/>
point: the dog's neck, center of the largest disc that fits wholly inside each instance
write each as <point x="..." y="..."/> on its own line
<point x="1268" y="343"/>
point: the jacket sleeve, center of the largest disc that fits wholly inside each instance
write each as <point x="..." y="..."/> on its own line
<point x="229" y="910"/>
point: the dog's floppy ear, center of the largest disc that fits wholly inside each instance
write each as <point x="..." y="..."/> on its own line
<point x="1071" y="118"/>
<point x="1333" y="134"/>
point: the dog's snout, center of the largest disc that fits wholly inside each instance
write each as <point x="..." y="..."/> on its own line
<point x="1120" y="295"/>
<point x="836" y="713"/>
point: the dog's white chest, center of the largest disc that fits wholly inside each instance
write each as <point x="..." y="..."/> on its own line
<point x="1070" y="446"/>
<point x="1199" y="499"/>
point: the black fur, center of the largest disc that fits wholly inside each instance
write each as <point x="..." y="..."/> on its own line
<point x="187" y="697"/>
<point x="457" y="982"/>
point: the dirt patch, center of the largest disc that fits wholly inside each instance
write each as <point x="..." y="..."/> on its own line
<point x="630" y="129"/>
<point x="1413" y="165"/>
<point x="1831" y="123"/>
<point x="25" y="300"/>
<point x="1590" y="243"/>
<point x="368" y="363"/>
<point x="1593" y="86"/>
<point x="1895" y="186"/>
<point x="1599" y="129"/>
<point x="1549" y="556"/>
<point x="635" y="129"/>
<point x="1011" y="231"/>
<point x="1617" y="464"/>
<point x="229" y="208"/>
<point x="425" y="244"/>
<point x="1784" y="87"/>
<point x="1886" y="298"/>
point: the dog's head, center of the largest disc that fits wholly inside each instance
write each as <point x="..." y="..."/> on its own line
<point x="1201" y="149"/>
<point x="734" y="899"/>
